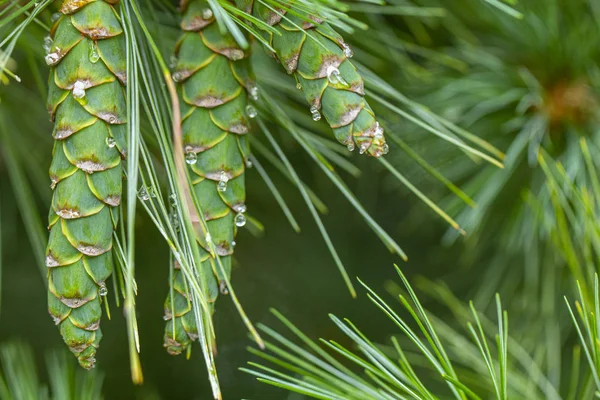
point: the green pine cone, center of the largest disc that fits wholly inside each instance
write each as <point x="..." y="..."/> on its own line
<point x="213" y="75"/>
<point x="319" y="58"/>
<point x="86" y="101"/>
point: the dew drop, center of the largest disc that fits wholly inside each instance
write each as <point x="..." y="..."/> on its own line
<point x="223" y="288"/>
<point x="299" y="86"/>
<point x="233" y="243"/>
<point x="191" y="158"/>
<point x="316" y="115"/>
<point x="249" y="164"/>
<point x="363" y="148"/>
<point x="18" y="78"/>
<point x="173" y="200"/>
<point x="207" y="13"/>
<point x="166" y="317"/>
<point x="143" y="194"/>
<point x="103" y="291"/>
<point x="48" y="42"/>
<point x="251" y="111"/>
<point x="347" y="51"/>
<point x="350" y="146"/>
<point x="222" y="186"/>
<point x="253" y="90"/>
<point x="172" y="62"/>
<point x="177" y="77"/>
<point x="240" y="219"/>
<point x="334" y="77"/>
<point x="385" y="148"/>
<point x="55" y="17"/>
<point x="79" y="90"/>
<point x="93" y="54"/>
<point x="110" y="142"/>
<point x="240" y="208"/>
<point x="52" y="58"/>
<point x="175" y="221"/>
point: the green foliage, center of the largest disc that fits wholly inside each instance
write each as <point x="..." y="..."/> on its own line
<point x="429" y="358"/>
<point x="19" y="376"/>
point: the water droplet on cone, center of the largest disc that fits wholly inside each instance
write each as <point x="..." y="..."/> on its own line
<point x="223" y="288"/>
<point x="191" y="158"/>
<point x="334" y="77"/>
<point x="314" y="111"/>
<point x="93" y="54"/>
<point x="251" y="111"/>
<point x="222" y="186"/>
<point x="103" y="291"/>
<point x="240" y="219"/>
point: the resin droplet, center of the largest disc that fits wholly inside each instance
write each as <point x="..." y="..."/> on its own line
<point x="191" y="158"/>
<point x="334" y="77"/>
<point x="112" y="120"/>
<point x="363" y="148"/>
<point x="299" y="86"/>
<point x="385" y="149"/>
<point x="173" y="200"/>
<point x="236" y="54"/>
<point x="253" y="90"/>
<point x="251" y="111"/>
<point x="240" y="219"/>
<point x="52" y="58"/>
<point x="103" y="291"/>
<point x="316" y="115"/>
<point x="350" y="146"/>
<point x="223" y="288"/>
<point x="143" y="194"/>
<point x="347" y="51"/>
<point x="79" y="90"/>
<point x="53" y="183"/>
<point x="249" y="164"/>
<point x="110" y="142"/>
<point x="222" y="186"/>
<point x="177" y="77"/>
<point x="233" y="243"/>
<point x="55" y="17"/>
<point x="93" y="54"/>
<point x="207" y="13"/>
<point x="378" y="131"/>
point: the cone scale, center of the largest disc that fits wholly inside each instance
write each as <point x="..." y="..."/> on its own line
<point x="86" y="102"/>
